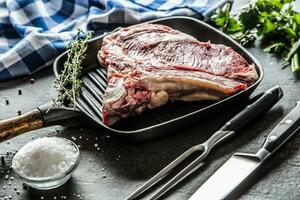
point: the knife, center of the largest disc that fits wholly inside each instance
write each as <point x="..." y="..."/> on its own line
<point x="241" y="165"/>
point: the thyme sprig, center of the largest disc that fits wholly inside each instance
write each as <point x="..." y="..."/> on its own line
<point x="68" y="83"/>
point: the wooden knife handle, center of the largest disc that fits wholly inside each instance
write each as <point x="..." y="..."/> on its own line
<point x="17" y="125"/>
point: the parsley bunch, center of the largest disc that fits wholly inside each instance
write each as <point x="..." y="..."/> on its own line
<point x="274" y="21"/>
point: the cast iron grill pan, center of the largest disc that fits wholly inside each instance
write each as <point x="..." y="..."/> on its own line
<point x="170" y="117"/>
<point x="150" y="124"/>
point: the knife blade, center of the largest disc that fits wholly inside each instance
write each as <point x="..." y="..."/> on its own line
<point x="241" y="165"/>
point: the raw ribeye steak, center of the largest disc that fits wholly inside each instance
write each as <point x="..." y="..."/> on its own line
<point x="149" y="65"/>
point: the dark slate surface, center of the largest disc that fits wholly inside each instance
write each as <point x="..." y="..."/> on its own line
<point x="117" y="169"/>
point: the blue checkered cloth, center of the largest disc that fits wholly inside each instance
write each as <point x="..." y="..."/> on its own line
<point x="34" y="32"/>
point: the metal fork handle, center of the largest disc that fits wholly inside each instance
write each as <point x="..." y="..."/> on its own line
<point x="165" y="171"/>
<point x="187" y="171"/>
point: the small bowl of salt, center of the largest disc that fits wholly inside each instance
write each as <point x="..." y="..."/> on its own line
<point x="47" y="162"/>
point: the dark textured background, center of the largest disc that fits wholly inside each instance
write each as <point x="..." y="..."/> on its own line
<point x="117" y="169"/>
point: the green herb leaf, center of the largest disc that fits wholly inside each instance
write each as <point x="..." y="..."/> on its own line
<point x="269" y="5"/>
<point x="249" y="17"/>
<point x="268" y="27"/>
<point x="297" y="18"/>
<point x="245" y="38"/>
<point x="275" y="21"/>
<point x="221" y="16"/>
<point x="275" y="48"/>
<point x="293" y="50"/>
<point x="233" y="26"/>
<point x="290" y="33"/>
<point x="295" y="63"/>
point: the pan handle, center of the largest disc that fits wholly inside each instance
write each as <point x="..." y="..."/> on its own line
<point x="17" y="125"/>
<point x="36" y="119"/>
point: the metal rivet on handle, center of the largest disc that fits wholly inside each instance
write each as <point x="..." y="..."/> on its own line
<point x="288" y="121"/>
<point x="273" y="137"/>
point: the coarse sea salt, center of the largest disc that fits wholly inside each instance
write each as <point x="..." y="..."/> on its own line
<point x="45" y="157"/>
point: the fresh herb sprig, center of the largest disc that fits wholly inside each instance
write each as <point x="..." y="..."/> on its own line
<point x="274" y="21"/>
<point x="68" y="82"/>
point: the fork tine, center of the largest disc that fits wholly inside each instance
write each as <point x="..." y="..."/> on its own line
<point x="164" y="172"/>
<point x="187" y="171"/>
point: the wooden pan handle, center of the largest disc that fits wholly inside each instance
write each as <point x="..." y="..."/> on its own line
<point x="17" y="125"/>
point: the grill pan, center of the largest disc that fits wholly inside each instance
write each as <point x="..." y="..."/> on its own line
<point x="151" y="123"/>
